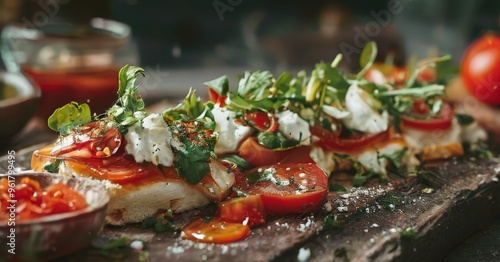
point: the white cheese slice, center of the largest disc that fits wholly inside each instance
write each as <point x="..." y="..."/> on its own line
<point x="362" y="116"/>
<point x="230" y="134"/>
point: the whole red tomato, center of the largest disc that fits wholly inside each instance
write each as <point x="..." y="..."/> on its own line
<point x="481" y="69"/>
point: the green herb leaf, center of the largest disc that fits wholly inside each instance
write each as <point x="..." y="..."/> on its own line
<point x="421" y="92"/>
<point x="464" y="119"/>
<point x="53" y="167"/>
<point x="367" y="58"/>
<point x="237" y="160"/>
<point x="408" y="234"/>
<point x="275" y="140"/>
<point x="220" y="85"/>
<point x="128" y="92"/>
<point x="255" y="85"/>
<point x="69" y="116"/>
<point x="396" y="157"/>
<point x="192" y="162"/>
<point x="331" y="222"/>
<point x="336" y="188"/>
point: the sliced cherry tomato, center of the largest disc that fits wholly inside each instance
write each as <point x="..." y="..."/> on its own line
<point x="216" y="98"/>
<point x="346" y="144"/>
<point x="101" y="144"/>
<point x="260" y="120"/>
<point x="480" y="69"/>
<point x="442" y="122"/>
<point x="287" y="188"/>
<point x="245" y="210"/>
<point x="259" y="155"/>
<point x="118" y="169"/>
<point x="215" y="231"/>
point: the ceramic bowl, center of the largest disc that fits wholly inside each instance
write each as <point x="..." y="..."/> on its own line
<point x="52" y="236"/>
<point x="19" y="99"/>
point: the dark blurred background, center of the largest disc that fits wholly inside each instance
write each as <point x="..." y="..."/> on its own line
<point x="277" y="34"/>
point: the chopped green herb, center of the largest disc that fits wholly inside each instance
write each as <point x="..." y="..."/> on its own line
<point x="391" y="201"/>
<point x="408" y="233"/>
<point x="367" y="58"/>
<point x="237" y="160"/>
<point x="220" y="85"/>
<point x="330" y="222"/>
<point x="395" y="158"/>
<point x="53" y="167"/>
<point x="336" y="188"/>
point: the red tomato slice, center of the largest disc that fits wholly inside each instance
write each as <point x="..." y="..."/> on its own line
<point x="216" y="98"/>
<point x="245" y="210"/>
<point x="102" y="143"/>
<point x="287" y="188"/>
<point x="259" y="155"/>
<point x="215" y="231"/>
<point x="118" y="169"/>
<point x="332" y="141"/>
<point x="260" y="120"/>
<point x="441" y="123"/>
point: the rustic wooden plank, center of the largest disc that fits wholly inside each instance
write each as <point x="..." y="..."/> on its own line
<point x="369" y="231"/>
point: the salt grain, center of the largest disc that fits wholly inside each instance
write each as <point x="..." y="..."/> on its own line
<point x="304" y="254"/>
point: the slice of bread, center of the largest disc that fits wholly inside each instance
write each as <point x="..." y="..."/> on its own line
<point x="133" y="201"/>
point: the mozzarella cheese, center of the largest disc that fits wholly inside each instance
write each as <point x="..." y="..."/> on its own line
<point x="325" y="160"/>
<point x="362" y="116"/>
<point x="292" y="126"/>
<point x="230" y="134"/>
<point x="150" y="140"/>
<point x="371" y="160"/>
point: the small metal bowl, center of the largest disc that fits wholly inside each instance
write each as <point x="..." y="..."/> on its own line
<point x="56" y="235"/>
<point x="19" y="107"/>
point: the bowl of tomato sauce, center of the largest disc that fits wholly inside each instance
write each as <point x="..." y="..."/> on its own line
<point x="44" y="216"/>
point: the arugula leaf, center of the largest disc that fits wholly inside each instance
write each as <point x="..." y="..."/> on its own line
<point x="367" y="58"/>
<point x="336" y="188"/>
<point x="255" y="85"/>
<point x="192" y="108"/>
<point x="69" y="116"/>
<point x="220" y="85"/>
<point x="421" y="92"/>
<point x="415" y="69"/>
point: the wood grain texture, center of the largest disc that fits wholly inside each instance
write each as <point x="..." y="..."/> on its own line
<point x="370" y="229"/>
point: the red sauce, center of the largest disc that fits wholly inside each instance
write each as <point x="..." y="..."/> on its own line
<point x="98" y="88"/>
<point x="28" y="200"/>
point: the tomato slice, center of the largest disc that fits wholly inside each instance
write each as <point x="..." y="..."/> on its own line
<point x="332" y="141"/>
<point x="443" y="122"/>
<point x="99" y="144"/>
<point x="287" y="188"/>
<point x="215" y="231"/>
<point x="118" y="169"/>
<point x="216" y="98"/>
<point x="245" y="210"/>
<point x="259" y="155"/>
<point x="260" y="120"/>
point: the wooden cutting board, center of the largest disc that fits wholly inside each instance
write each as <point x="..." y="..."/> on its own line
<point x="402" y="220"/>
